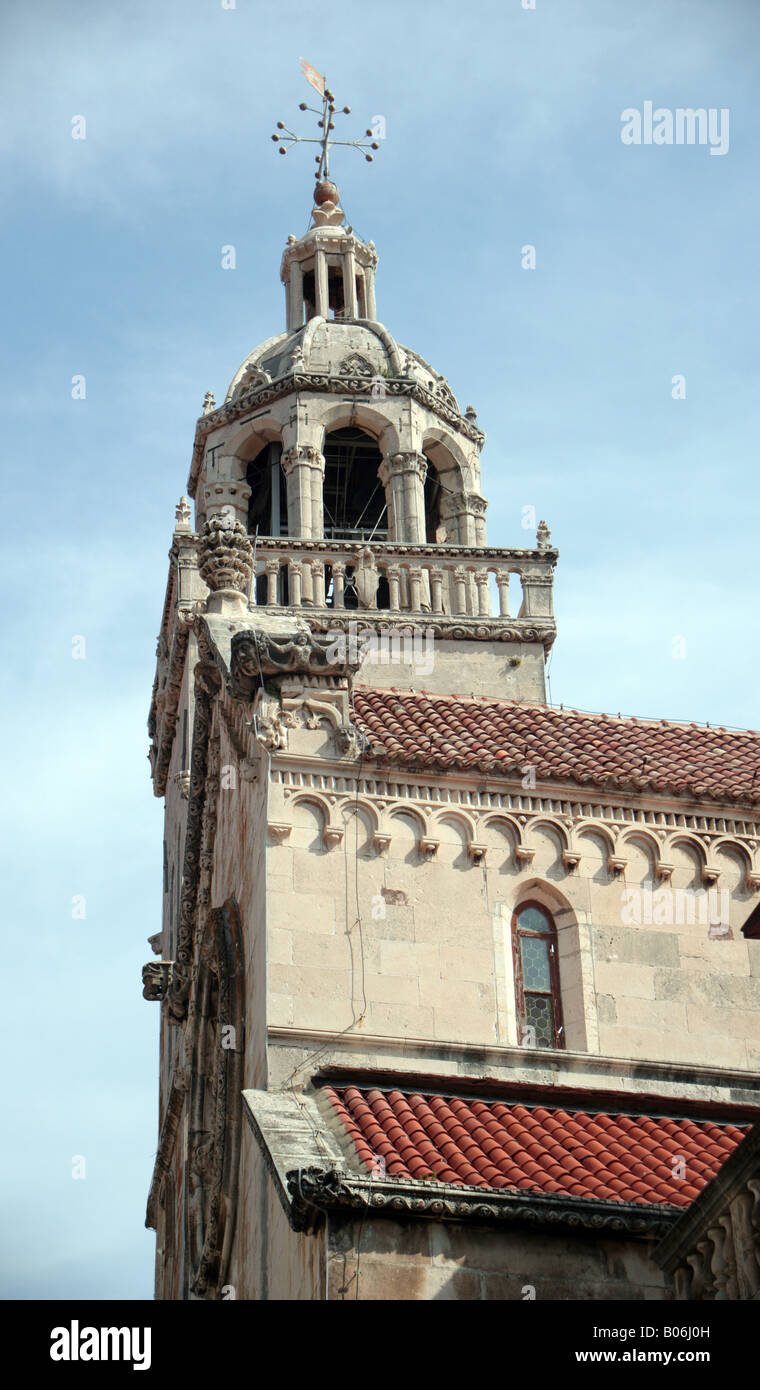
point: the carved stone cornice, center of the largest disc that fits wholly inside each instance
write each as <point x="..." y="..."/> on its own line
<point x="313" y="1191"/>
<point x="443" y="628"/>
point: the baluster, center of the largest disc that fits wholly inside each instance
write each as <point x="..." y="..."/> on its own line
<point x="436" y="585"/>
<point x="394" y="580"/>
<point x="318" y="582"/>
<point x="339" y="584"/>
<point x="295" y="573"/>
<point x="273" y="570"/>
<point x="484" y="598"/>
<point x="502" y="580"/>
<point x="307" y="584"/>
<point x="415" y="585"/>
<point x="460" y="582"/>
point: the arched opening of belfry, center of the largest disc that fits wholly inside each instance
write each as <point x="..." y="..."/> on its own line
<point x="353" y="496"/>
<point x="268" y="504"/>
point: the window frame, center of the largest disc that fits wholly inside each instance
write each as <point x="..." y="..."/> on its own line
<point x="551" y="936"/>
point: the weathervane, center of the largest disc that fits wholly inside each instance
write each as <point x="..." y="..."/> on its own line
<point x="326" y="123"/>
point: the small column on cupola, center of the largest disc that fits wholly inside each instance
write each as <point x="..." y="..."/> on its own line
<point x="328" y="271"/>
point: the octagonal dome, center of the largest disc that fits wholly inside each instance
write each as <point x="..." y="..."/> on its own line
<point x="337" y="347"/>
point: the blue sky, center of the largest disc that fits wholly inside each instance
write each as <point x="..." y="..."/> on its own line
<point x="503" y="129"/>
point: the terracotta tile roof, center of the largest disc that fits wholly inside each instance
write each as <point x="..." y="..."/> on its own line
<point x="473" y="1143"/>
<point x="502" y="736"/>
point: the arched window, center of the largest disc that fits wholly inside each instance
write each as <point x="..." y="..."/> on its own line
<point x="539" y="1008"/>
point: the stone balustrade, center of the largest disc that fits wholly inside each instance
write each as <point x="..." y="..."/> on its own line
<point x="437" y="580"/>
<point x="713" y="1250"/>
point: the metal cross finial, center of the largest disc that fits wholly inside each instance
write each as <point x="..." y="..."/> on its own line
<point x="326" y="123"/>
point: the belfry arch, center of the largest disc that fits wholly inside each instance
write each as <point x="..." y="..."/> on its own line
<point x="353" y="495"/>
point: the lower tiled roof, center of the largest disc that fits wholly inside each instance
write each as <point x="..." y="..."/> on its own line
<point x="608" y="1157"/>
<point x="503" y="736"/>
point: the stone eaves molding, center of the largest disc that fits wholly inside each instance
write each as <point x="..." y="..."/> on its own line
<point x="314" y="1191"/>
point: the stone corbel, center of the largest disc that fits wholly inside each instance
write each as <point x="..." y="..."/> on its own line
<point x="753" y="881"/>
<point x="663" y="871"/>
<point x="278" y="830"/>
<point x="381" y="842"/>
<point x="710" y="874"/>
<point x="477" y="852"/>
<point x="570" y="859"/>
<point x="524" y="855"/>
<point x="428" y="847"/>
<point x="616" y="864"/>
<point x="332" y="835"/>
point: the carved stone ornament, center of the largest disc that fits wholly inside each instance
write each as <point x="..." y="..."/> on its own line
<point x="226" y="557"/>
<point x="255" y="655"/>
<point x="356" y="365"/>
<point x="156" y="978"/>
<point x="214" y="1106"/>
<point x="366" y="575"/>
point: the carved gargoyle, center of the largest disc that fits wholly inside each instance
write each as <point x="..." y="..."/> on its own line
<point x="156" y="977"/>
<point x="256" y="655"/>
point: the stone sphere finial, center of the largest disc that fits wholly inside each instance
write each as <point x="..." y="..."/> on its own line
<point x="226" y="555"/>
<point x="327" y="211"/>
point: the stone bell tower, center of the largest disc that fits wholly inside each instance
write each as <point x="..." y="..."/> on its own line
<point x="347" y="462"/>
<point x="338" y="536"/>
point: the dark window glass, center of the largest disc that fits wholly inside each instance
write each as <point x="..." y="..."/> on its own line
<point x="539" y="1010"/>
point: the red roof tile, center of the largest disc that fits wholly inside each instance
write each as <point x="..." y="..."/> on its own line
<point x="502" y="736"/>
<point x="475" y="1143"/>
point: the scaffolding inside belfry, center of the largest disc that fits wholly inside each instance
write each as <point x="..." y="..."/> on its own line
<point x="354" y="499"/>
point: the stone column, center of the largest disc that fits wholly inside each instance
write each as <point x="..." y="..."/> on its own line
<point x="299" y="463"/>
<point x="272" y="568"/>
<point x="317" y="484"/>
<point x="349" y="284"/>
<point x="369" y="290"/>
<point x="295" y="295"/>
<point x="484" y="598"/>
<point x="339" y="583"/>
<point x="465" y="513"/>
<point x="322" y="305"/>
<point x="403" y="476"/>
<point x="230" y="495"/>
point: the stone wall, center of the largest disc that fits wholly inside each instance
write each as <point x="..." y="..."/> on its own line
<point x="430" y="1260"/>
<point x="418" y="945"/>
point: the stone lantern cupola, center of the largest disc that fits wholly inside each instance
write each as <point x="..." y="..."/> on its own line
<point x="329" y="271"/>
